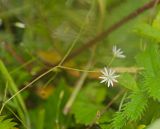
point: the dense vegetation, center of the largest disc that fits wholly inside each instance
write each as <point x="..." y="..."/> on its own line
<point x="79" y="64"/>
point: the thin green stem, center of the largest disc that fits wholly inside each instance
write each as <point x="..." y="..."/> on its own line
<point x="2" y="108"/>
<point x="122" y="101"/>
<point x="77" y="38"/>
<point x="69" y="68"/>
<point x="58" y="109"/>
<point x="4" y="98"/>
<point x="50" y="80"/>
<point x="14" y="95"/>
<point x="80" y="70"/>
<point x="112" y="59"/>
<point x="5" y="92"/>
<point x="78" y="86"/>
<point x="22" y="66"/>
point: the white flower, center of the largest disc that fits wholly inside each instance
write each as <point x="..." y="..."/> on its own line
<point x="117" y="52"/>
<point x="108" y="76"/>
<point x="20" y="25"/>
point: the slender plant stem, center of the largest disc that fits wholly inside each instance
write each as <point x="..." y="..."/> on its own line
<point x="58" y="109"/>
<point x="5" y="91"/>
<point x="112" y="28"/>
<point x="75" y="92"/>
<point x="50" y="80"/>
<point x="14" y="95"/>
<point x="22" y="66"/>
<point x="4" y="98"/>
<point x="80" y="70"/>
<point x="104" y="34"/>
<point x="111" y="61"/>
<point x="111" y="102"/>
<point x="77" y="38"/>
<point x="77" y="88"/>
<point x="122" y="101"/>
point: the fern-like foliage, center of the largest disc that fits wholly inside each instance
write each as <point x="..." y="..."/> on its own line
<point x="150" y="61"/>
<point x="134" y="109"/>
<point x="131" y="110"/>
<point x="149" y="87"/>
<point x="119" y="120"/>
<point x="152" y="86"/>
<point x="6" y="123"/>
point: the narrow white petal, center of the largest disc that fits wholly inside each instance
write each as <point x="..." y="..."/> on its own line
<point x="111" y="72"/>
<point x="118" y="50"/>
<point x="102" y="81"/>
<point x="102" y="77"/>
<point x="108" y="83"/>
<point x="103" y="72"/>
<point x="106" y="71"/>
<point x="114" y="80"/>
<point x="111" y="83"/>
<point x="116" y="75"/>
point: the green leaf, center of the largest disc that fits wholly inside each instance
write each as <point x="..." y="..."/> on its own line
<point x="105" y="119"/>
<point x="93" y="92"/>
<point x="128" y="81"/>
<point x="156" y="21"/>
<point x="6" y="123"/>
<point x="85" y="112"/>
<point x="88" y="103"/>
<point x="148" y="32"/>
